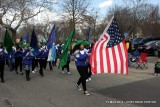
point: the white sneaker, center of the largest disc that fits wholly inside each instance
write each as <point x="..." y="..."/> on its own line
<point x="33" y="72"/>
<point x="86" y="93"/>
<point x="89" y="79"/>
<point x="155" y="74"/>
<point x="69" y="73"/>
<point x="79" y="88"/>
<point x="63" y="72"/>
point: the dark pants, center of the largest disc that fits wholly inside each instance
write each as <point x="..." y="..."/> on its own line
<point x="27" y="75"/>
<point x="55" y="62"/>
<point x="2" y="63"/>
<point x="83" y="73"/>
<point x="157" y="70"/>
<point x="18" y="62"/>
<point x="66" y="66"/>
<point x="45" y="63"/>
<point x="33" y="64"/>
<point x="89" y="72"/>
<point x="50" y="65"/>
<point x="41" y="63"/>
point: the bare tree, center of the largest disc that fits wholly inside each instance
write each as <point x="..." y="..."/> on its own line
<point x="74" y="10"/>
<point x="14" y="12"/>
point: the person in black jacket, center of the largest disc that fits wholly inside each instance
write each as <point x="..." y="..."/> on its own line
<point x="2" y="63"/>
<point x="18" y="58"/>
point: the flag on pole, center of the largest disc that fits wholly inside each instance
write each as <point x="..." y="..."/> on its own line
<point x="88" y="36"/>
<point x="34" y="43"/>
<point x="109" y="54"/>
<point x="63" y="59"/>
<point x="52" y="37"/>
<point x="8" y="43"/>
<point x="21" y="40"/>
<point x="26" y="37"/>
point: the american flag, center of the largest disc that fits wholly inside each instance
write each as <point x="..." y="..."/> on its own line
<point x="109" y="54"/>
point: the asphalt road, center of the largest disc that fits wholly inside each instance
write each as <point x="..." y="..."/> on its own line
<point x="138" y="89"/>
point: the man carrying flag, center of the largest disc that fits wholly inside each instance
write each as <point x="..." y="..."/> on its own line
<point x="109" y="54"/>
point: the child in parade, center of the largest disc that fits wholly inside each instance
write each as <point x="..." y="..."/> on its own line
<point x="45" y="54"/>
<point x="81" y="61"/>
<point x="157" y="66"/>
<point x="18" y="59"/>
<point x="3" y="55"/>
<point x="67" y="65"/>
<point x="41" y="59"/>
<point x="52" y="56"/>
<point x="11" y="59"/>
<point x="27" y="60"/>
<point x="88" y="50"/>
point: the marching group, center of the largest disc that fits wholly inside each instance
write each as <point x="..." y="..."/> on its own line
<point x="22" y="57"/>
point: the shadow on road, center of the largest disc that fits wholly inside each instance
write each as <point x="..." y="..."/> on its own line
<point x="141" y="91"/>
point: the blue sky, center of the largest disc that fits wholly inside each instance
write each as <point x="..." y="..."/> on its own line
<point x="104" y="5"/>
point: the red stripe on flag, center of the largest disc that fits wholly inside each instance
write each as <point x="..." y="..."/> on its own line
<point x="94" y="69"/>
<point x="121" y="57"/>
<point x="114" y="59"/>
<point x="126" y="54"/>
<point x="101" y="55"/>
<point x="108" y="61"/>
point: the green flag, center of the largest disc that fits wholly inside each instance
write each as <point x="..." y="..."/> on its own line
<point x="8" y="43"/>
<point x="63" y="59"/>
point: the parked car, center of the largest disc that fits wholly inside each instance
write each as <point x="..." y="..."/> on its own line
<point x="150" y="47"/>
<point x="158" y="48"/>
<point x="143" y="41"/>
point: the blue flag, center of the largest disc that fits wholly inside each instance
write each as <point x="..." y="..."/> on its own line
<point x="26" y="37"/>
<point x="88" y="36"/>
<point x="34" y="43"/>
<point x="52" y="38"/>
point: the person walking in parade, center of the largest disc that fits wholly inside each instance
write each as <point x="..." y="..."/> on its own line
<point x="41" y="59"/>
<point x="81" y="61"/>
<point x="52" y="56"/>
<point x="18" y="59"/>
<point x="27" y="60"/>
<point x="88" y="50"/>
<point x="3" y="55"/>
<point x="67" y="65"/>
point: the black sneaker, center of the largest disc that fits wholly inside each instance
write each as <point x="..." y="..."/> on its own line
<point x="2" y="81"/>
<point x="21" y="73"/>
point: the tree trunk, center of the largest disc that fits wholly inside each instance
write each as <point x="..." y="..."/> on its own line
<point x="14" y="33"/>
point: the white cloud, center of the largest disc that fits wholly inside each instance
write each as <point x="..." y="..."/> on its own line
<point x="106" y="3"/>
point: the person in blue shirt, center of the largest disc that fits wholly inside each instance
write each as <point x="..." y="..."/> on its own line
<point x="18" y="58"/>
<point x="41" y="59"/>
<point x="27" y="60"/>
<point x="81" y="62"/>
<point x="3" y="55"/>
<point x="45" y="54"/>
<point x="88" y="49"/>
